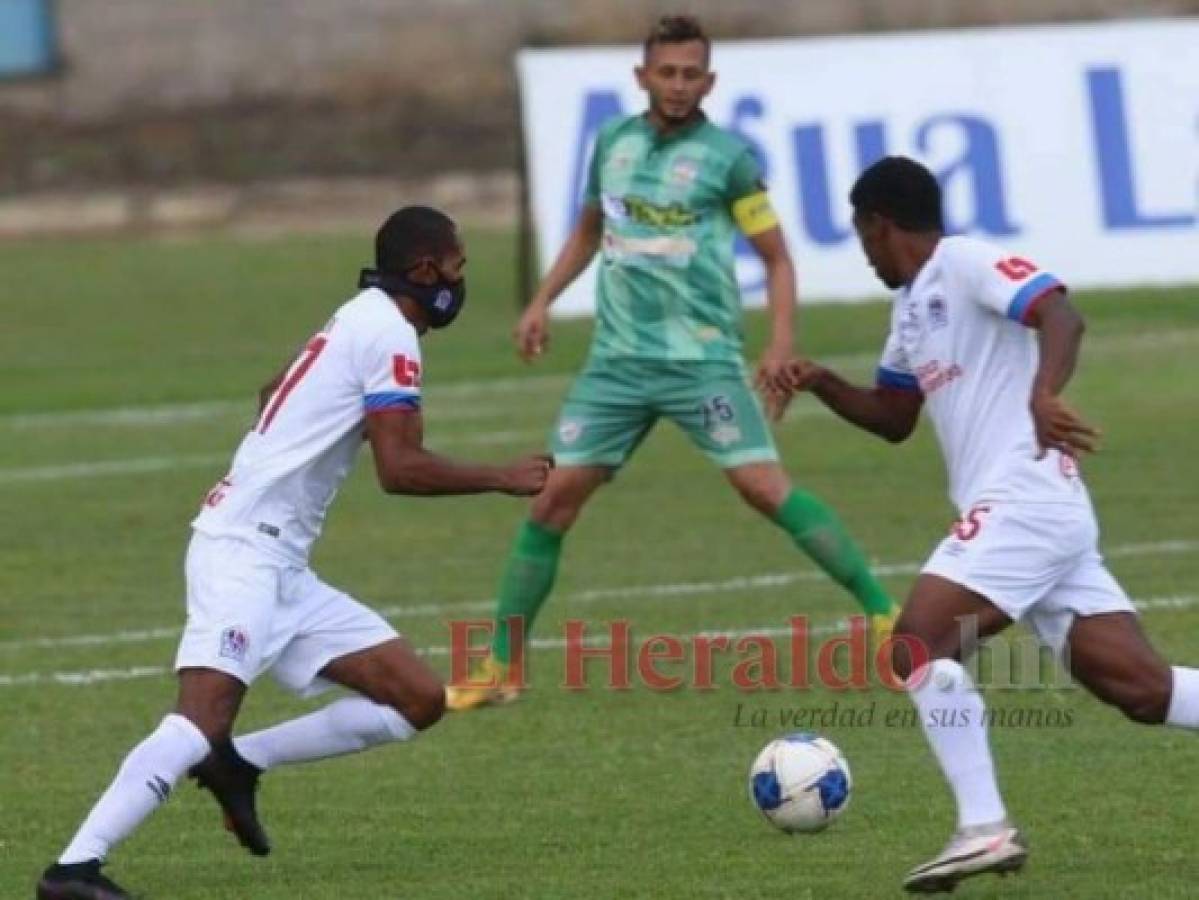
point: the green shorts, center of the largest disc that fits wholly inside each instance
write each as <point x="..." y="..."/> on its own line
<point x="615" y="401"/>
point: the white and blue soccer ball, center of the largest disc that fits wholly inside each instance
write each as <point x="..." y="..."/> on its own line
<point x="801" y="783"/>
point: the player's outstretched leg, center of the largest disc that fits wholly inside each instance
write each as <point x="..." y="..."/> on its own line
<point x="1110" y="656"/>
<point x="954" y="720"/>
<point x="208" y="703"/>
<point x="400" y="696"/>
<point x="818" y="532"/>
<point x="526" y="582"/>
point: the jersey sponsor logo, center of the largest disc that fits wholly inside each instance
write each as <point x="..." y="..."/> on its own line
<point x="1015" y="268"/>
<point x="656" y="215"/>
<point x="234" y="644"/>
<point x="268" y="529"/>
<point x="938" y="312"/>
<point x="911" y="329"/>
<point x="673" y="251"/>
<point x="405" y="370"/>
<point x="933" y="376"/>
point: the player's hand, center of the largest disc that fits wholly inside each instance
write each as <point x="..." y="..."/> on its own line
<point x="1061" y="428"/>
<point x="776" y="401"/>
<point x="532" y="332"/>
<point x="800" y="374"/>
<point x="527" y="476"/>
<point x="771" y="372"/>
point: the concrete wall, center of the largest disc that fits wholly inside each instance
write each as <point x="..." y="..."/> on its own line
<point x="169" y="91"/>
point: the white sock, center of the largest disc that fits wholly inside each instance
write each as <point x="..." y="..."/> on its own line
<point x="954" y="721"/>
<point x="142" y="784"/>
<point x="345" y="726"/>
<point x="1184" y="698"/>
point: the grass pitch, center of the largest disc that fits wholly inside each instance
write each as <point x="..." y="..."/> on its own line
<point x="127" y="375"/>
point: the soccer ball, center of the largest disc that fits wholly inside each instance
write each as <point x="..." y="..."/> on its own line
<point x="800" y="782"/>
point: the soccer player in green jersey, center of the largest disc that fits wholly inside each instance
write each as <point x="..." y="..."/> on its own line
<point x="666" y="193"/>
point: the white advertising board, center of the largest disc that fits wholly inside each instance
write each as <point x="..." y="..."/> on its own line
<point x="1076" y="145"/>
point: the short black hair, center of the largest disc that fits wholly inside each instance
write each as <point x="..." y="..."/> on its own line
<point x="902" y="190"/>
<point x="411" y="233"/>
<point x="678" y="30"/>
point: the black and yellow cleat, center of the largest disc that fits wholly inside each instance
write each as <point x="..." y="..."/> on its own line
<point x="496" y="688"/>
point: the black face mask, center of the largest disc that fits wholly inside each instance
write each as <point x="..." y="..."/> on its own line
<point x="442" y="300"/>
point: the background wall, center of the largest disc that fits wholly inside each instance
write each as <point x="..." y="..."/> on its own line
<point x="155" y="92"/>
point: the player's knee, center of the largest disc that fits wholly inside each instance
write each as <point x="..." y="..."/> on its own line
<point x="910" y="648"/>
<point x="759" y="497"/>
<point x="210" y="708"/>
<point x="555" y="510"/>
<point x="904" y="657"/>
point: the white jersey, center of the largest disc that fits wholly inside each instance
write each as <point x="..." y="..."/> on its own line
<point x="288" y="469"/>
<point x="957" y="336"/>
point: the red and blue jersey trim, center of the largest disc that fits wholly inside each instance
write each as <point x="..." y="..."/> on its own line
<point x="1030" y="294"/>
<point x="391" y="401"/>
<point x="900" y="381"/>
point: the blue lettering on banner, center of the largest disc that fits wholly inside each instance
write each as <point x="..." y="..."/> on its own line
<point x="815" y="192"/>
<point x="598" y="108"/>
<point x="980" y="163"/>
<point x="1113" y="152"/>
<point x="974" y="174"/>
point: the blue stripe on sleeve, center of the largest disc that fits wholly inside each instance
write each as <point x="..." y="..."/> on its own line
<point x="1038" y="287"/>
<point x="900" y="380"/>
<point x="391" y="400"/>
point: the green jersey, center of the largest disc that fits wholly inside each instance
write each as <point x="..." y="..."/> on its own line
<point x="667" y="288"/>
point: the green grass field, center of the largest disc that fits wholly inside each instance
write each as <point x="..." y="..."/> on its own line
<point x="127" y="372"/>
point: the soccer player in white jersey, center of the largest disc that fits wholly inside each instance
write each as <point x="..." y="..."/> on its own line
<point x="988" y="341"/>
<point x="254" y="606"/>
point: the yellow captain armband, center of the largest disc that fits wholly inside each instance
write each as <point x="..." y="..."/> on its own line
<point x="754" y="214"/>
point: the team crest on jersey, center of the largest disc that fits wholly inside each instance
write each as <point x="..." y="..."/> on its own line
<point x="684" y="171"/>
<point x="570" y="430"/>
<point x="234" y="644"/>
<point x="938" y="312"/>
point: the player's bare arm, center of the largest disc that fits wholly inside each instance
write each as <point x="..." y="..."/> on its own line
<point x="1060" y="328"/>
<point x="771" y="246"/>
<point x="404" y="466"/>
<point x="890" y="413"/>
<point x="532" y="330"/>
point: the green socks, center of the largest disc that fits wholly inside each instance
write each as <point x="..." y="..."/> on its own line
<point x="526" y="582"/>
<point x="818" y="532"/>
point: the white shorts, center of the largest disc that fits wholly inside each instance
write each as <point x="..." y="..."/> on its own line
<point x="248" y="613"/>
<point x="1037" y="562"/>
